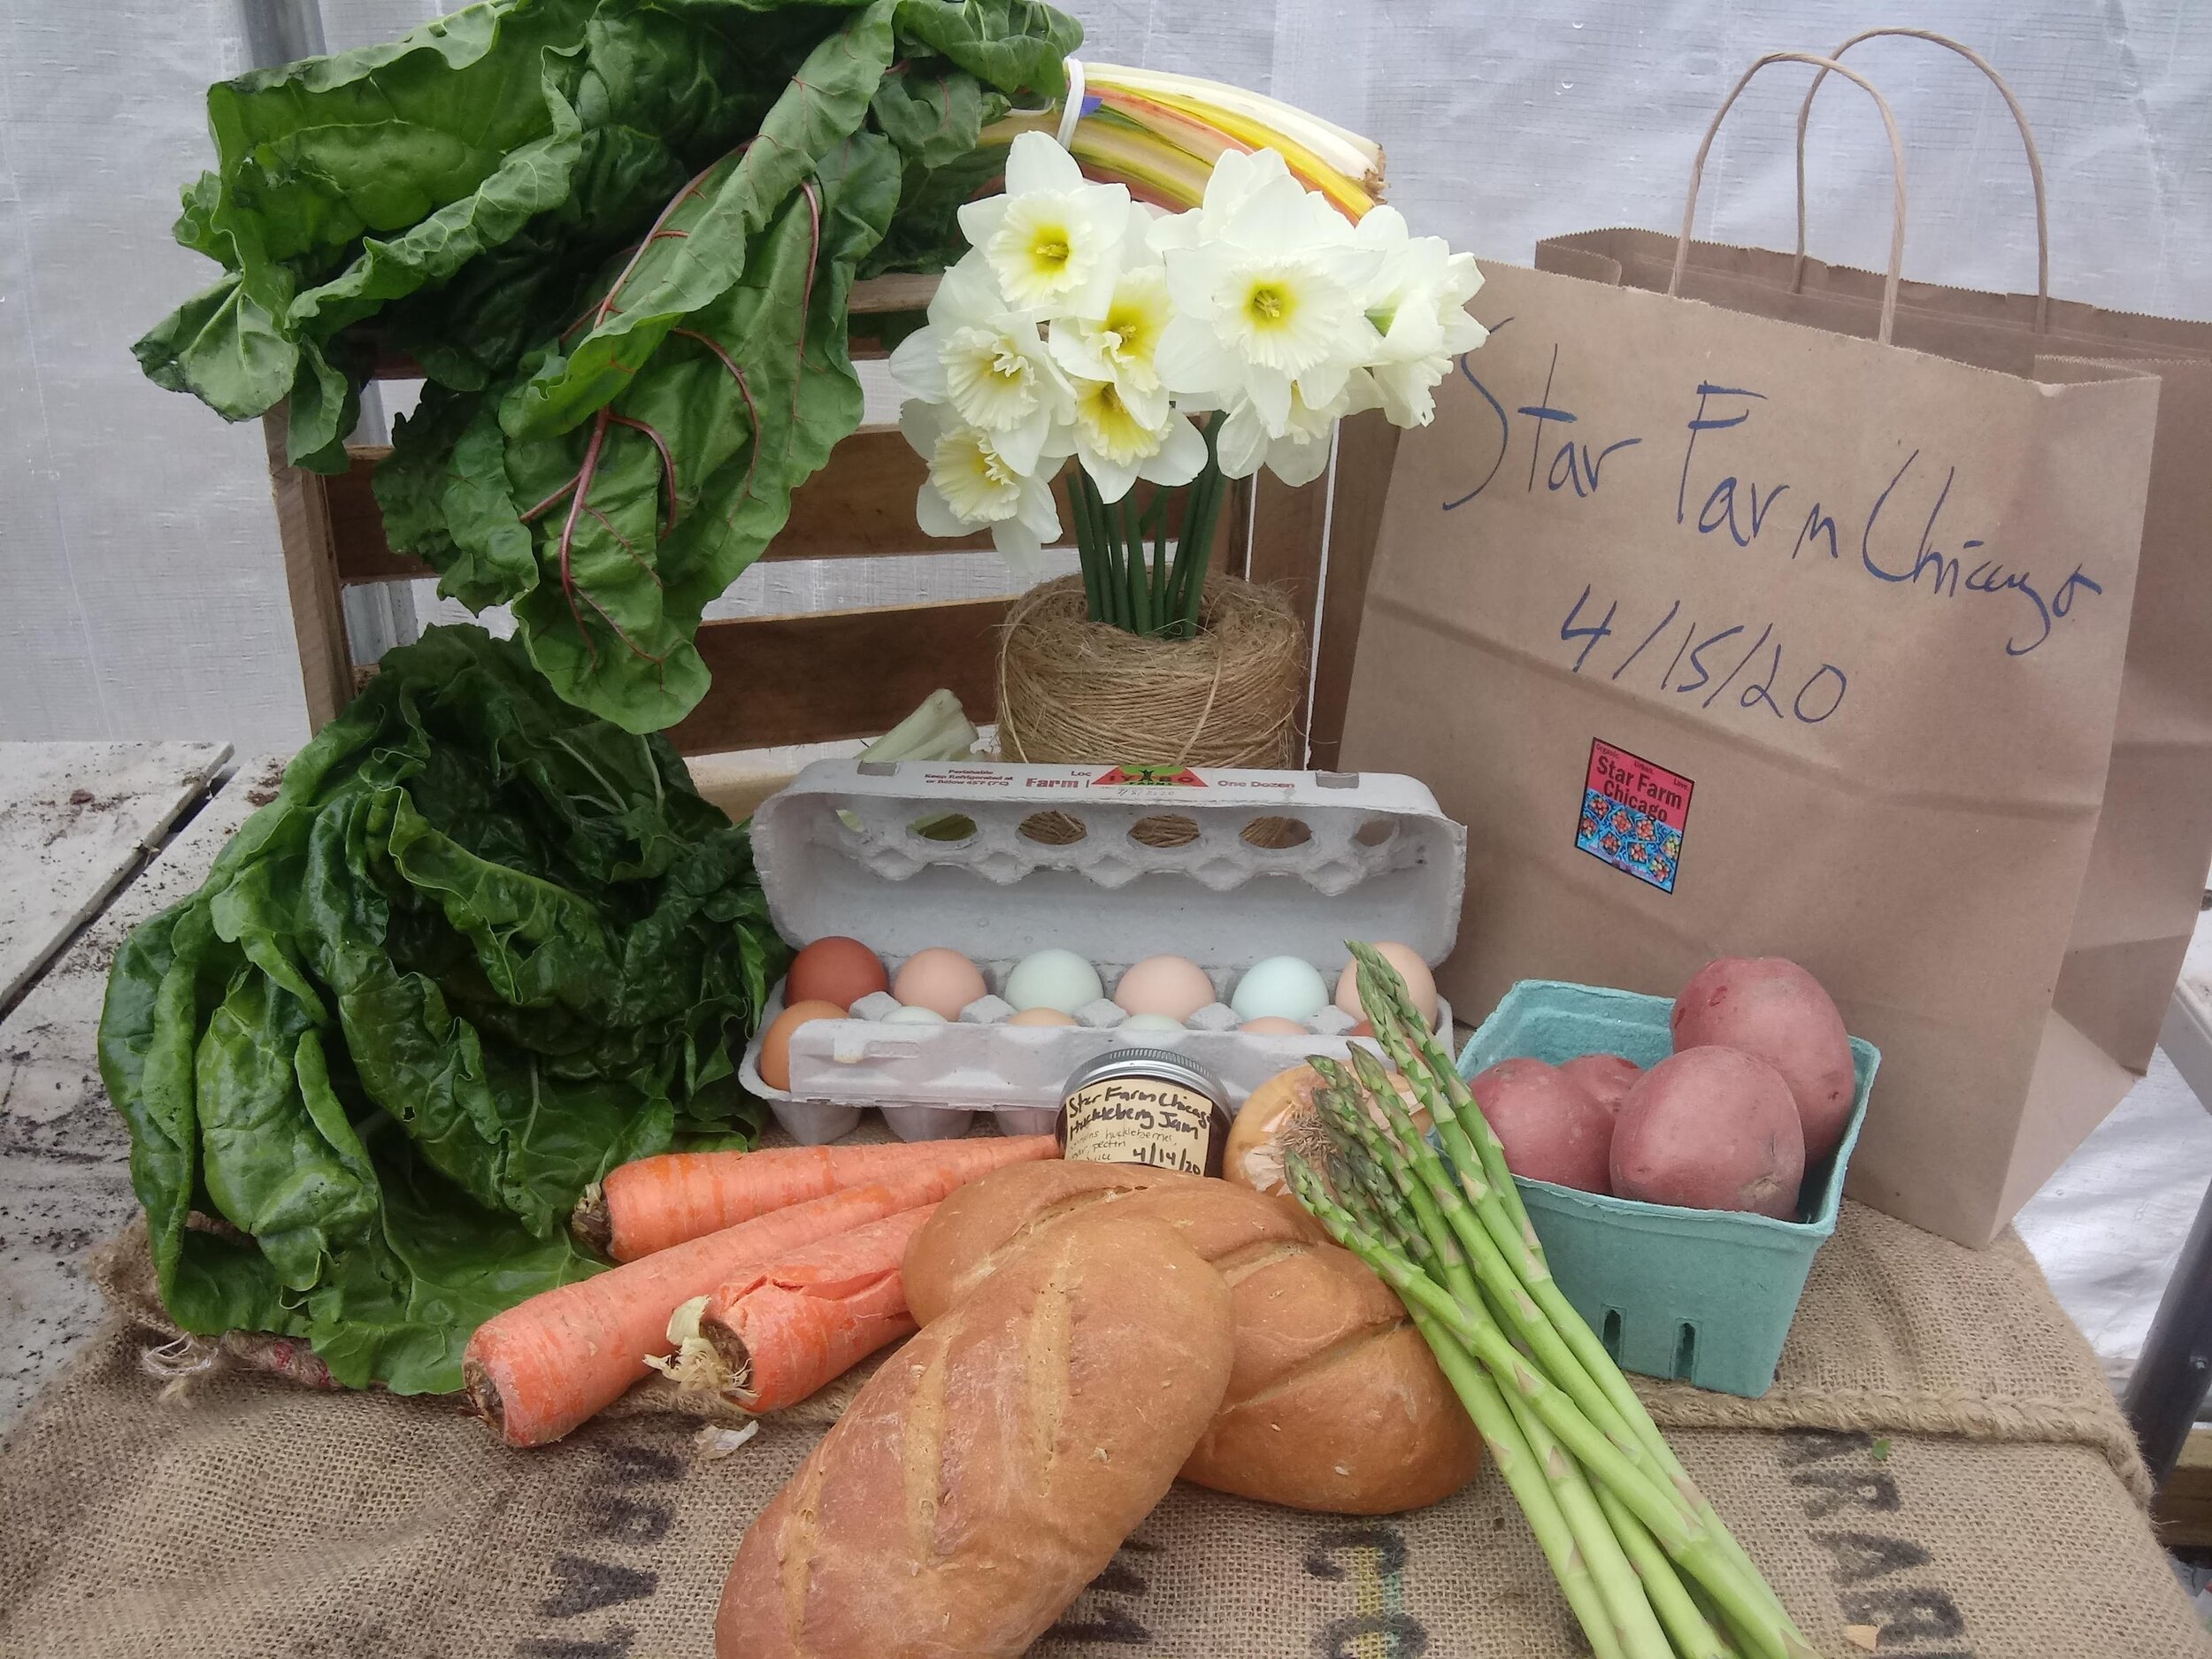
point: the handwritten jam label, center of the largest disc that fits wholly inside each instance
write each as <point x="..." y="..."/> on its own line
<point x="1140" y="1120"/>
<point x="1634" y="815"/>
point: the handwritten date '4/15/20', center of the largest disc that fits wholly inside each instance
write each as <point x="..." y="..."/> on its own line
<point x="1695" y="658"/>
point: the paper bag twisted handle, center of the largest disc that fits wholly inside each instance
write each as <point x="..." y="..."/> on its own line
<point x="2019" y="120"/>
<point x="1897" y="173"/>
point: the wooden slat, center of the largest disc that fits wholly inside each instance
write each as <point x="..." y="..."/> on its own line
<point x="1287" y="532"/>
<point x="357" y="523"/>
<point x="861" y="505"/>
<point x="311" y="578"/>
<point x="2183" y="1510"/>
<point x="76" y="818"/>
<point x="877" y="297"/>
<point x="900" y="293"/>
<point x="1366" y="447"/>
<point x="840" y="674"/>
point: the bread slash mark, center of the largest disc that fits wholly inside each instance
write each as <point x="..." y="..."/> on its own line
<point x="921" y="1445"/>
<point x="1046" y="1364"/>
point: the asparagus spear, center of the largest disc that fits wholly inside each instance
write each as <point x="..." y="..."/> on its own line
<point x="1534" y="1481"/>
<point x="1689" y="1542"/>
<point x="1479" y="1162"/>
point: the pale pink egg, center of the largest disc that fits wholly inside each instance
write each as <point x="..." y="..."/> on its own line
<point x="1273" y="1025"/>
<point x="941" y="981"/>
<point x="1173" y="986"/>
<point x="1040" y="1017"/>
<point x="1419" y="981"/>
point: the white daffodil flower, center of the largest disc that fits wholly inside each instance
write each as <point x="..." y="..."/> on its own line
<point x="1300" y="453"/>
<point x="1417" y="304"/>
<point x="1236" y="176"/>
<point x="1123" y="345"/>
<point x="1053" y="239"/>
<point x="987" y="362"/>
<point x="971" y="486"/>
<point x="1269" y="303"/>
<point x="1117" y="445"/>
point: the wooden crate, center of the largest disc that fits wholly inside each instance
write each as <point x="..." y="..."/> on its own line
<point x="816" y="678"/>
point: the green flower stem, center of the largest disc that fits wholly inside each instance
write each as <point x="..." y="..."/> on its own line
<point x="1153" y="527"/>
<point x="1132" y="541"/>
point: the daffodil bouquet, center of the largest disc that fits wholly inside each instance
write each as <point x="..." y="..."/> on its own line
<point x="1181" y="348"/>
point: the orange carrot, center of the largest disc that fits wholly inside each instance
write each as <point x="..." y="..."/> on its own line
<point x="540" y="1368"/>
<point x="785" y="1331"/>
<point x="659" y="1202"/>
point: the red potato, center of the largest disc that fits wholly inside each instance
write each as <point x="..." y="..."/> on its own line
<point x="1551" y="1129"/>
<point x="1770" y="1007"/>
<point x="1605" y="1078"/>
<point x="1710" y="1128"/>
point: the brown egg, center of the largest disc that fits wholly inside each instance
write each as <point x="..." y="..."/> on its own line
<point x="939" y="980"/>
<point x="775" y="1046"/>
<point x="1042" y="1016"/>
<point x="835" y="970"/>
<point x="1173" y="986"/>
<point x="1274" y="1026"/>
<point x="1419" y="981"/>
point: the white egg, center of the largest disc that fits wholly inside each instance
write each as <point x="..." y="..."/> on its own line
<point x="1151" y="1022"/>
<point x="1280" y="987"/>
<point x="1053" y="979"/>
<point x="914" y="1014"/>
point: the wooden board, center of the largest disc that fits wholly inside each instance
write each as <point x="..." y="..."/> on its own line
<point x="311" y="578"/>
<point x="76" y="818"/>
<point x="2182" y="1511"/>
<point x="860" y="505"/>
<point x="841" y="673"/>
<point x="64" y="1178"/>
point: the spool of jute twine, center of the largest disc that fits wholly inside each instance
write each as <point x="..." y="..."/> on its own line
<point x="1075" y="690"/>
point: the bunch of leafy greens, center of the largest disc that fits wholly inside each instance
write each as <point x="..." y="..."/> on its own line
<point x="618" y="236"/>
<point x="481" y="948"/>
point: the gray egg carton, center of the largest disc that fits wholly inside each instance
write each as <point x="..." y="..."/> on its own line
<point x="1224" y="867"/>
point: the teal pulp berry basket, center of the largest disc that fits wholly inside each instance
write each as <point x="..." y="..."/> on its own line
<point x="1702" y="1294"/>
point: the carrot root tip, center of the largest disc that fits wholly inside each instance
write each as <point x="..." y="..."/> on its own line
<point x="483" y="1395"/>
<point x="698" y="1365"/>
<point x="591" y="1225"/>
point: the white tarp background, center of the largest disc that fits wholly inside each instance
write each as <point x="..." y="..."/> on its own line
<point x="141" y="590"/>
<point x="140" y="593"/>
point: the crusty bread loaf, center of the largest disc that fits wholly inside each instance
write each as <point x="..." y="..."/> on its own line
<point x="991" y="1468"/>
<point x="1335" y="1404"/>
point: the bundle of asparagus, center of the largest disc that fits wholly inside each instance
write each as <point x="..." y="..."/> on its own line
<point x="1646" y="1566"/>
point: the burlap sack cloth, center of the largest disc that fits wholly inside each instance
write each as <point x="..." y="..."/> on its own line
<point x="1940" y="1466"/>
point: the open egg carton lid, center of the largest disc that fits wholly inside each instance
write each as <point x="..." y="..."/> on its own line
<point x="996" y="861"/>
<point x="1225" y="867"/>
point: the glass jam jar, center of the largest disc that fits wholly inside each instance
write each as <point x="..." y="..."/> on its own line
<point x="1145" y="1106"/>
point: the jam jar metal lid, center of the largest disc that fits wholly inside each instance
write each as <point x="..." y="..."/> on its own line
<point x="1156" y="1065"/>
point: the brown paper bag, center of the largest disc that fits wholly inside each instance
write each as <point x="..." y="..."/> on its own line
<point x="2144" y="890"/>
<point x="1729" y="630"/>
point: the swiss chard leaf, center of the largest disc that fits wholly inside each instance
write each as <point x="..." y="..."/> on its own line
<point x="610" y="232"/>
<point x="481" y="948"/>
